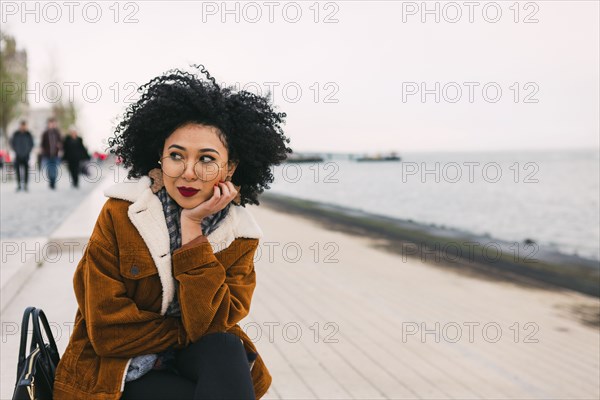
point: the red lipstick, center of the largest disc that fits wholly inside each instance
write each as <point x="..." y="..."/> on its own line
<point x="187" y="191"/>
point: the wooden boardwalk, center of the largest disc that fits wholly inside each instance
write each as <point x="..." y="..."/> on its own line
<point x="524" y="343"/>
<point x="352" y="328"/>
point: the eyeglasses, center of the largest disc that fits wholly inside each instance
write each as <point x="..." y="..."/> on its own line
<point x="175" y="167"/>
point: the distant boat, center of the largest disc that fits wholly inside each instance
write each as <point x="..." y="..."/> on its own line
<point x="303" y="159"/>
<point x="391" y="157"/>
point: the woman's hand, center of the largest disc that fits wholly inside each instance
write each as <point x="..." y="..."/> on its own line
<point x="191" y="218"/>
<point x="223" y="193"/>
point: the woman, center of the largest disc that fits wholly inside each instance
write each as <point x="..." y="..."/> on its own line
<point x="74" y="154"/>
<point x="168" y="271"/>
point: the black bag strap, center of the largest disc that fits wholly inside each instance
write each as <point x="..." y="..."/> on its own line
<point x="24" y="335"/>
<point x="38" y="314"/>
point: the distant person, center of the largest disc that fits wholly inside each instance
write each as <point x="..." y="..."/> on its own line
<point x="51" y="148"/>
<point x="75" y="154"/>
<point x="22" y="143"/>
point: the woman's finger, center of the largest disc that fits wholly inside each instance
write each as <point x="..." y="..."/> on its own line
<point x="233" y="191"/>
<point x="232" y="187"/>
<point x="225" y="189"/>
<point x="216" y="195"/>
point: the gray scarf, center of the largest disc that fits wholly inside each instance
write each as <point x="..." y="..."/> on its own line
<point x="172" y="212"/>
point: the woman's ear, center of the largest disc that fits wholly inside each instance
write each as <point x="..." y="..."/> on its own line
<point x="157" y="179"/>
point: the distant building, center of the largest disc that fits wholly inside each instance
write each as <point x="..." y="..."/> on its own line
<point x="36" y="117"/>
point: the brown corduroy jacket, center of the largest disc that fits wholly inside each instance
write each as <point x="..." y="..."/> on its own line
<point x="125" y="281"/>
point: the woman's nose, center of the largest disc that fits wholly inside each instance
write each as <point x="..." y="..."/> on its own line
<point x="188" y="172"/>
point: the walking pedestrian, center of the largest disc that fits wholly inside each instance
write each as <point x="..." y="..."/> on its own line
<point x="75" y="154"/>
<point x="22" y="143"/>
<point x="51" y="149"/>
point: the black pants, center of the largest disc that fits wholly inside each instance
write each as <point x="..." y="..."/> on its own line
<point x="22" y="163"/>
<point x="74" y="172"/>
<point x="215" y="367"/>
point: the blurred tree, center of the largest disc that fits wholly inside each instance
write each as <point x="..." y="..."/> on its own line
<point x="64" y="108"/>
<point x="66" y="114"/>
<point x="13" y="81"/>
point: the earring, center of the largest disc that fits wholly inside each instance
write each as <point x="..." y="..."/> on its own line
<point x="157" y="179"/>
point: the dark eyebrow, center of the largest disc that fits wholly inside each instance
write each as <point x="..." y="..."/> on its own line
<point x="199" y="151"/>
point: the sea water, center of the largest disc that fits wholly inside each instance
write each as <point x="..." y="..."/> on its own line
<point x="550" y="197"/>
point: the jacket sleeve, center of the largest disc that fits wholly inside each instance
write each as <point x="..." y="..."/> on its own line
<point x="66" y="149"/>
<point x="29" y="142"/>
<point x="59" y="140"/>
<point x="84" y="152"/>
<point x="44" y="142"/>
<point x="214" y="298"/>
<point x="116" y="326"/>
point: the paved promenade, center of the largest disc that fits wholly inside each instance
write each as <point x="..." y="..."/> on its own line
<point x="336" y="318"/>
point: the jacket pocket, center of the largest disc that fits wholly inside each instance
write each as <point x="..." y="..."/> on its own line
<point x="141" y="280"/>
<point x="137" y="265"/>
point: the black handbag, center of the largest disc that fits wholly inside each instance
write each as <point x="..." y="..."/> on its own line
<point x="35" y="374"/>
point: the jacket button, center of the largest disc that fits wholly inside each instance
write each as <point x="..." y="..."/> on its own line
<point x="134" y="270"/>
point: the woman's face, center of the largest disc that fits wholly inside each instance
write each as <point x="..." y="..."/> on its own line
<point x="193" y="143"/>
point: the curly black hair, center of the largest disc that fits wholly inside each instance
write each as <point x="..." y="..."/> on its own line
<point x="248" y="126"/>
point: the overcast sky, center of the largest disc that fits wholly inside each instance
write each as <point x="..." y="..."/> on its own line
<point x="349" y="74"/>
